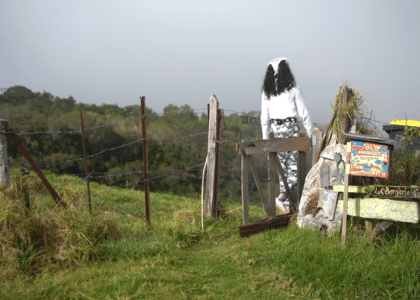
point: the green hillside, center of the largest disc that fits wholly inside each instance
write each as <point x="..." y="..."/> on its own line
<point x="53" y="253"/>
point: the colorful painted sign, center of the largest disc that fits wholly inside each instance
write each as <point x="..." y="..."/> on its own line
<point x="397" y="191"/>
<point x="368" y="159"/>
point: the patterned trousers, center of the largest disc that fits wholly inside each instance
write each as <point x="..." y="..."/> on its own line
<point x="288" y="159"/>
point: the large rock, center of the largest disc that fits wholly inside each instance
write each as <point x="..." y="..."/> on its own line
<point x="311" y="213"/>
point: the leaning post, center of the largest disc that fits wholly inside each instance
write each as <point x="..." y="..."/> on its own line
<point x="4" y="160"/>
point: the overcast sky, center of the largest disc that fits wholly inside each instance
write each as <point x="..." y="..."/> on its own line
<point x="182" y="52"/>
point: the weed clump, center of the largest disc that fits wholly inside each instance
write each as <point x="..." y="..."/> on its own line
<point x="42" y="236"/>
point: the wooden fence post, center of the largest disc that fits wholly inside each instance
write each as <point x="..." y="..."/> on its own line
<point x="4" y="159"/>
<point x="215" y="208"/>
<point x="272" y="178"/>
<point x="86" y="164"/>
<point x="344" y="118"/>
<point x="145" y="159"/>
<point x="301" y="172"/>
<point x="316" y="144"/>
<point x="244" y="188"/>
<point x="211" y="157"/>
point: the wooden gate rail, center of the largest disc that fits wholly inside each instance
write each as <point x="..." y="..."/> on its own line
<point x="271" y="147"/>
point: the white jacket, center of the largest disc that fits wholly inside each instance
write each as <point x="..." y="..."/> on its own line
<point x="288" y="104"/>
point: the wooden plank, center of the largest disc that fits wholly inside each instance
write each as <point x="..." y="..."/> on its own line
<point x="264" y="225"/>
<point x="244" y="189"/>
<point x="211" y="154"/>
<point x="275" y="145"/>
<point x="382" y="209"/>
<point x="301" y="169"/>
<point x="258" y="182"/>
<point x="394" y="191"/>
<point x="383" y="191"/>
<point x="351" y="188"/>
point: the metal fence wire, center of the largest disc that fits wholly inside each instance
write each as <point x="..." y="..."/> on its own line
<point x="177" y="145"/>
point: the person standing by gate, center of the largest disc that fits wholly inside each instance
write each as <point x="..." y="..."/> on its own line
<point x="282" y="102"/>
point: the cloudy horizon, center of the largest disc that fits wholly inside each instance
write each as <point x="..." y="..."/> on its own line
<point x="182" y="52"/>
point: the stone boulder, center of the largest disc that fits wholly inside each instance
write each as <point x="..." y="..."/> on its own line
<point x="311" y="212"/>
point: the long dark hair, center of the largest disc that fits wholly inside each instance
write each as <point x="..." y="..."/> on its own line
<point x="285" y="80"/>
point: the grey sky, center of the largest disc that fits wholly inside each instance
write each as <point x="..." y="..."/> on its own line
<point x="182" y="52"/>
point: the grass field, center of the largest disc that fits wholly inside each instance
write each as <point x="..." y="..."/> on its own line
<point x="113" y="254"/>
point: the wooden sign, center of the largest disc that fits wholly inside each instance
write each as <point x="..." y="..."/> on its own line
<point x="383" y="209"/>
<point x="368" y="159"/>
<point x="394" y="191"/>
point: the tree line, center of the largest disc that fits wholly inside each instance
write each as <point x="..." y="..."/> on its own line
<point x="116" y="158"/>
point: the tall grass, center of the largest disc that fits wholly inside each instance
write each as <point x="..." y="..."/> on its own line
<point x="113" y="254"/>
<point x="45" y="236"/>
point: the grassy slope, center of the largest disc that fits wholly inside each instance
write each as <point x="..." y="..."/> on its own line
<point x="176" y="260"/>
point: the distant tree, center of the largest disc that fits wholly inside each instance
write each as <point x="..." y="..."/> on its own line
<point x="41" y="105"/>
<point x="170" y="110"/>
<point x="187" y="113"/>
<point x="16" y="95"/>
<point x="112" y="109"/>
<point x="65" y="105"/>
<point x="172" y="113"/>
<point x="132" y="110"/>
<point x="89" y="107"/>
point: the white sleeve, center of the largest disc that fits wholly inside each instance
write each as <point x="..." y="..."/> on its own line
<point x="265" y="117"/>
<point x="303" y="112"/>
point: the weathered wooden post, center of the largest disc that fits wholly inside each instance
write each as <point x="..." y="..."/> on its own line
<point x="216" y="210"/>
<point x="316" y="144"/>
<point x="145" y="159"/>
<point x="272" y="156"/>
<point x="344" y="118"/>
<point x="86" y="163"/>
<point x="211" y="157"/>
<point x="4" y="159"/>
<point x="301" y="172"/>
<point x="244" y="188"/>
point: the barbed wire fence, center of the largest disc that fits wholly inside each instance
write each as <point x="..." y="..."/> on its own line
<point x="181" y="133"/>
<point x="177" y="134"/>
